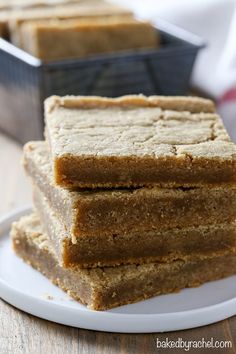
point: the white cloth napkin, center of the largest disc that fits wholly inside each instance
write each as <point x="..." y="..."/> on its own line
<point x="214" y="21"/>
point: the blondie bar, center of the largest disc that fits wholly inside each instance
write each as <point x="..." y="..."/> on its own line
<point x="116" y="212"/>
<point x="104" y="288"/>
<point x="62" y="12"/>
<point x="134" y="247"/>
<point x="138" y="141"/>
<point x="79" y="39"/>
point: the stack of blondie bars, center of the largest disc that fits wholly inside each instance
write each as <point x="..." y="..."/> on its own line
<point x="134" y="197"/>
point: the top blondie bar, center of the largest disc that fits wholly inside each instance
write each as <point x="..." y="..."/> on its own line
<point x="138" y="141"/>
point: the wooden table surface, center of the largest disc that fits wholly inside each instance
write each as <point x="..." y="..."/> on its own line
<point x="26" y="334"/>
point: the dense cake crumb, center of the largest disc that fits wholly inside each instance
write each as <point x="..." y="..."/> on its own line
<point x="104" y="288"/>
<point x="138" y="141"/>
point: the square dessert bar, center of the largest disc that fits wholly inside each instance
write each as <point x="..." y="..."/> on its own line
<point x="118" y="211"/>
<point x="79" y="39"/>
<point x="135" y="247"/>
<point x="104" y="288"/>
<point x="62" y="12"/>
<point x="138" y="141"/>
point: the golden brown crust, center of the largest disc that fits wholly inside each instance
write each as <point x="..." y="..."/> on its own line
<point x="175" y="103"/>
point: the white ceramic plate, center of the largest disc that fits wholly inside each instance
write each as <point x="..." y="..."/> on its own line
<point x="28" y="290"/>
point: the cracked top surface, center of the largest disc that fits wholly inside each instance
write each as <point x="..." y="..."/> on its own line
<point x="135" y="126"/>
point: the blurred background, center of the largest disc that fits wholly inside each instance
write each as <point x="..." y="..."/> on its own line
<point x="214" y="72"/>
